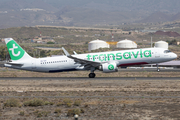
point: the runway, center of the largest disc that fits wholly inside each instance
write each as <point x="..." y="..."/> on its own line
<point x="150" y="70"/>
<point x="87" y="79"/>
<point x="87" y="97"/>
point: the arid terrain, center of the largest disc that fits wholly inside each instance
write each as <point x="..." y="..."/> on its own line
<point x="92" y="99"/>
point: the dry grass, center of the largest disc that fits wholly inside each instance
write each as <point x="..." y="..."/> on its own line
<point x="93" y="102"/>
<point x="86" y="106"/>
<point x="12" y="103"/>
<point x="128" y="102"/>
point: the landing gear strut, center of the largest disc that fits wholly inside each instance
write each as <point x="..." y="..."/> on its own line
<point x="92" y="74"/>
<point x="158" y="67"/>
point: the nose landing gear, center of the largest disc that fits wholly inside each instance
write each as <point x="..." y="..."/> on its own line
<point x="158" y="70"/>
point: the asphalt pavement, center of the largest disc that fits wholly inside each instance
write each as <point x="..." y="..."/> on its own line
<point x="86" y="78"/>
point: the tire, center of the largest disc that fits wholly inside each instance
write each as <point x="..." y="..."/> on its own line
<point x="92" y="75"/>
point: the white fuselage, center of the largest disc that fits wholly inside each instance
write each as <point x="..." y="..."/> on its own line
<point x="121" y="58"/>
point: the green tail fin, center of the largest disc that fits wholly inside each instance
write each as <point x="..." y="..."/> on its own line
<point x="15" y="51"/>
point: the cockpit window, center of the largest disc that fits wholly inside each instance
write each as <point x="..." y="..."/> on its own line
<point x="167" y="51"/>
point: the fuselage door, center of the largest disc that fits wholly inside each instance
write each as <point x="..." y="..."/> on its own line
<point x="157" y="53"/>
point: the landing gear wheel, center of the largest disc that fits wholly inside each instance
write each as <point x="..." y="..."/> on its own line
<point x="92" y="75"/>
<point x="158" y="67"/>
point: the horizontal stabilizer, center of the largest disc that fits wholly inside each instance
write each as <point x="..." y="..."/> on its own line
<point x="11" y="63"/>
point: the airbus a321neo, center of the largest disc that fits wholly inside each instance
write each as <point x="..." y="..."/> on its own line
<point x="104" y="61"/>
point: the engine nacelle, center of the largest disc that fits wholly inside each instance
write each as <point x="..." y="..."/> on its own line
<point x="106" y="67"/>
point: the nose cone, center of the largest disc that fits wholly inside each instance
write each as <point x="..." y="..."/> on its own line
<point x="174" y="56"/>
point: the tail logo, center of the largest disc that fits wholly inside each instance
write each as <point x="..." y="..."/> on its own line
<point x="15" y="51"/>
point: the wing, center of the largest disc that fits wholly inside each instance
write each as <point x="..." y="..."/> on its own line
<point x="85" y="62"/>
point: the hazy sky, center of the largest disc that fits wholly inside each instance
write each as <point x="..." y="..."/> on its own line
<point x="107" y="5"/>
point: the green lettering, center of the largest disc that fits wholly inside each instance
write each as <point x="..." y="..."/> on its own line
<point x="141" y="52"/>
<point x="135" y="55"/>
<point x="129" y="55"/>
<point x="88" y="56"/>
<point x="111" y="54"/>
<point x="118" y="56"/>
<point x="147" y="55"/>
<point x="104" y="57"/>
<point x="94" y="56"/>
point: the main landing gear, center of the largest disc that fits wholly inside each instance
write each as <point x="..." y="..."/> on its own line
<point x="92" y="74"/>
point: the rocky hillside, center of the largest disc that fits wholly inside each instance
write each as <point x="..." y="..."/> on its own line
<point x="169" y="33"/>
<point x="14" y="13"/>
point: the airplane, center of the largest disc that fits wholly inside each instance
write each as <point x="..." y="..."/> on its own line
<point x="106" y="62"/>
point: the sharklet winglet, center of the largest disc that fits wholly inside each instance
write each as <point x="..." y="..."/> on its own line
<point x="65" y="51"/>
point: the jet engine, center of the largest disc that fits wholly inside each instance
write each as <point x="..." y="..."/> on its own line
<point x="108" y="67"/>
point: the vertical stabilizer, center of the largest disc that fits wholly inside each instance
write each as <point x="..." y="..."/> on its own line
<point x="15" y="51"/>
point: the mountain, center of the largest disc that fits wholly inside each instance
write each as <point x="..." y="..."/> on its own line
<point x="16" y="5"/>
<point x="160" y="17"/>
<point x="176" y="17"/>
<point x="150" y="6"/>
<point x="14" y="13"/>
<point x="157" y="17"/>
<point x="86" y="16"/>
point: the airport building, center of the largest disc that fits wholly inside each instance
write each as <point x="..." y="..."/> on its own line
<point x="161" y="44"/>
<point x="126" y="44"/>
<point x="96" y="44"/>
